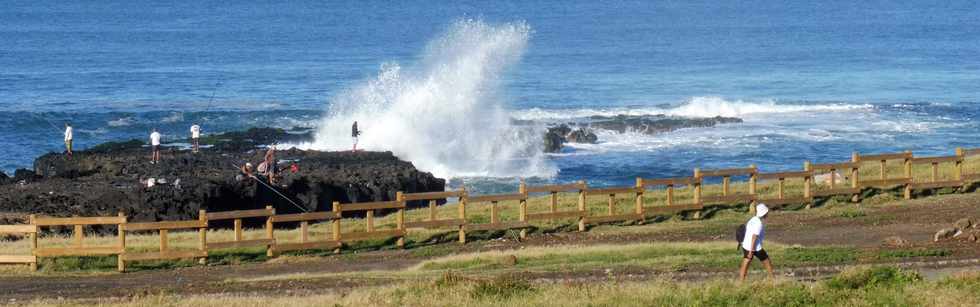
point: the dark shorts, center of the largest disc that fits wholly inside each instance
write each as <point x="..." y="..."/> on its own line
<point x="759" y="254"/>
<point x="156" y="147"/>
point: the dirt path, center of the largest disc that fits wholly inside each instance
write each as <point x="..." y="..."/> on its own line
<point x="915" y="221"/>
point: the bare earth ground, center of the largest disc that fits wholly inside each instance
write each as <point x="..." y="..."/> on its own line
<point x="915" y="221"/>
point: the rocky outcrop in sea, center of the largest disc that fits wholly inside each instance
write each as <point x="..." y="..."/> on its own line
<point x="113" y="177"/>
<point x="583" y="131"/>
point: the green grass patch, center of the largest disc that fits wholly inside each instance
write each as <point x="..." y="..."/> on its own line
<point x="850" y="214"/>
<point x="501" y="287"/>
<point x="873" y="277"/>
<point x="77" y="264"/>
<point x="654" y="256"/>
<point x="903" y="253"/>
<point x="819" y="255"/>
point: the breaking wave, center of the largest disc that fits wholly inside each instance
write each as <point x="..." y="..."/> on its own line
<point x="445" y="114"/>
<point x="708" y="106"/>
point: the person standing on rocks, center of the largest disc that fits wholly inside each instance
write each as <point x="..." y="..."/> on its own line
<point x="155" y="145"/>
<point x="195" y="137"/>
<point x="354" y="133"/>
<point x="268" y="166"/>
<point x="68" y="139"/>
<point x="755" y="232"/>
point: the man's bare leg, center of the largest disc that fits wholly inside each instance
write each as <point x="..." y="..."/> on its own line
<point x="744" y="270"/>
<point x="768" y="264"/>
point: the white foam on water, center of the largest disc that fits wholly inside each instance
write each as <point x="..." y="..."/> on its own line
<point x="121" y="122"/>
<point x="173" y="117"/>
<point x="445" y="114"/>
<point x="701" y="106"/>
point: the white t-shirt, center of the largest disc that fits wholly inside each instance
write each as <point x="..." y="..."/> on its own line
<point x="155" y="139"/>
<point x="68" y="134"/>
<point x="195" y="131"/>
<point x="753" y="227"/>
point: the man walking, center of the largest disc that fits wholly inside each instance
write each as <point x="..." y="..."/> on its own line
<point x="68" y="138"/>
<point x="195" y="136"/>
<point x="752" y="242"/>
<point x="155" y="145"/>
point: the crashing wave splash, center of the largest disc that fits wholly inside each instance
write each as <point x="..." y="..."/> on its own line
<point x="445" y="115"/>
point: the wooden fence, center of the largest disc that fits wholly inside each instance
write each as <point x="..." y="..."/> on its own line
<point x="636" y="208"/>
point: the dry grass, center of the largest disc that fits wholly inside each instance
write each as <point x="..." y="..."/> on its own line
<point x="886" y="287"/>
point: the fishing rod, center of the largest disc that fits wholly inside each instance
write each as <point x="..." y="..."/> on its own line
<point x="46" y="120"/>
<point x="274" y="190"/>
<point x="211" y="100"/>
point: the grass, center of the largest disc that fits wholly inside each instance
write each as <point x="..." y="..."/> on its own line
<point x="875" y="286"/>
<point x="719" y="219"/>
<point x="657" y="257"/>
<point x="903" y="254"/>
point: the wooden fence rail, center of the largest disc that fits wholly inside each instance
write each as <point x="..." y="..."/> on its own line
<point x="669" y="184"/>
<point x="555" y="213"/>
<point x="727" y="196"/>
<point x="370" y="232"/>
<point x="239" y="240"/>
<point x="433" y="222"/>
<point x="304" y="243"/>
<point x="31" y="231"/>
<point x="163" y="228"/>
<point x="495" y="222"/>
<point x="639" y="211"/>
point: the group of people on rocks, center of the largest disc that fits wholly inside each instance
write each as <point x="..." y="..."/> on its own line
<point x="155" y="138"/>
<point x="268" y="169"/>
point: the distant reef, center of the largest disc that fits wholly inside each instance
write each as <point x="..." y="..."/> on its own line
<point x="111" y="178"/>
<point x="583" y="131"/>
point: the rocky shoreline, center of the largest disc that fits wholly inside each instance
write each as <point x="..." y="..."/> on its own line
<point x="112" y="177"/>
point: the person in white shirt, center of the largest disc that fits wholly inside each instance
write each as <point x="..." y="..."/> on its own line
<point x="195" y="136"/>
<point x="755" y="232"/>
<point x="155" y="144"/>
<point x="68" y="138"/>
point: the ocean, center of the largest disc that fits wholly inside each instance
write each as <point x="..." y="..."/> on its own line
<point x="465" y="89"/>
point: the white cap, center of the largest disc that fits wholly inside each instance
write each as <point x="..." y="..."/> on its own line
<point x="761" y="210"/>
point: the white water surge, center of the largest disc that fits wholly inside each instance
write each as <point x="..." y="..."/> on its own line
<point x="445" y="114"/>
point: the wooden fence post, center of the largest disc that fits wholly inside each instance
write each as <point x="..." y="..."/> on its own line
<point x="522" y="189"/>
<point x="33" y="236"/>
<point x="611" y="204"/>
<point x="270" y="233"/>
<point x="725" y="182"/>
<point x="369" y="223"/>
<point x="855" y="172"/>
<point x="638" y="204"/>
<point x="336" y="225"/>
<point x="753" y="185"/>
<point x="120" y="263"/>
<point x="958" y="170"/>
<point x="581" y="205"/>
<point x="462" y="215"/>
<point x="554" y="202"/>
<point x="203" y="234"/>
<point x="432" y="209"/>
<point x="807" y="182"/>
<point x="79" y="235"/>
<point x="399" y="219"/>
<point x="494" y="219"/>
<point x="697" y="190"/>
<point x="238" y="230"/>
<point x="908" y="174"/>
<point x="697" y="185"/>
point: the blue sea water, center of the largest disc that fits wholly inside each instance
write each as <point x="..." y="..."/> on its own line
<point x="813" y="80"/>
